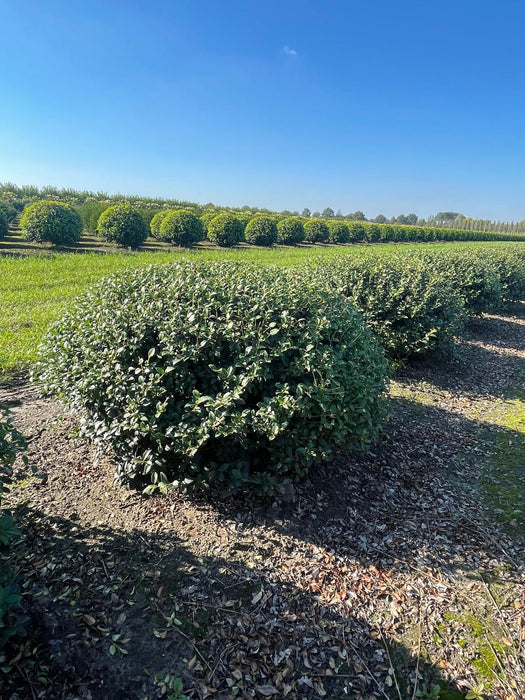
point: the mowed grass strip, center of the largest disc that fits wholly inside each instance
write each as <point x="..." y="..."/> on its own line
<point x="36" y="289"/>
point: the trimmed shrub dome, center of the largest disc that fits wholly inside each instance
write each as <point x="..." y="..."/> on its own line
<point x="51" y="222"/>
<point x="123" y="225"/>
<point x="216" y="374"/>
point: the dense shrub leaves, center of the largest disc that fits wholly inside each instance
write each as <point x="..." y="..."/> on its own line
<point x="290" y="231"/>
<point x="411" y="309"/>
<point x="123" y="225"/>
<point x="216" y="373"/>
<point x="51" y="222"/>
<point x="11" y="620"/>
<point x="315" y="231"/>
<point x="261" y="230"/>
<point x="182" y="228"/>
<point x="225" y="230"/>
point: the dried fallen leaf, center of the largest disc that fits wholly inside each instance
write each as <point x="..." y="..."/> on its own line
<point x="266" y="690"/>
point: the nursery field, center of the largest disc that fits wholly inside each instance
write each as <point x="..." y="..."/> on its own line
<point x="270" y="492"/>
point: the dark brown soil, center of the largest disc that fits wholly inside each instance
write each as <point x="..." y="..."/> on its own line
<point x="379" y="577"/>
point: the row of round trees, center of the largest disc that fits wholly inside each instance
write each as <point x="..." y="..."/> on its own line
<point x="122" y="224"/>
<point x="183" y="228"/>
<point x="125" y="225"/>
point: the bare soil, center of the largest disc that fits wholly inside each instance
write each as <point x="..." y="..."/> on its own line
<point x="381" y="576"/>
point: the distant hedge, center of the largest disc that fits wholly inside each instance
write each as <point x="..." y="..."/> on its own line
<point x="181" y="228"/>
<point x="7" y="211"/>
<point x="156" y="221"/>
<point x="216" y="375"/>
<point x="123" y="225"/>
<point x="3" y="225"/>
<point x="261" y="230"/>
<point x="51" y="222"/>
<point x="315" y="231"/>
<point x="290" y="231"/>
<point x="225" y="230"/>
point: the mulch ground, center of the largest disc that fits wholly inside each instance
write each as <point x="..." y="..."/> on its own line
<point x="381" y="576"/>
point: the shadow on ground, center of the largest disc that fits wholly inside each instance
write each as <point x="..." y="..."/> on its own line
<point x="112" y="610"/>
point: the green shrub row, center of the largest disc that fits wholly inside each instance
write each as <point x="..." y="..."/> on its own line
<point x="11" y="620"/>
<point x="216" y="374"/>
<point x="417" y="302"/>
<point x="227" y="229"/>
<point x="411" y="309"/>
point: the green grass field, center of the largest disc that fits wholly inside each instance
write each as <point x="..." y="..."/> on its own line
<point x="36" y="289"/>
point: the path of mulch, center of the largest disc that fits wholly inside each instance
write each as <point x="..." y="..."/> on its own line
<point x="380" y="577"/>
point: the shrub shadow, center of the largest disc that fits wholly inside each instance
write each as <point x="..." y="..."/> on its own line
<point x="87" y="585"/>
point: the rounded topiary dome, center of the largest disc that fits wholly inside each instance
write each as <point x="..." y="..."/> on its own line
<point x="315" y="231"/>
<point x="123" y="225"/>
<point x="182" y="228"/>
<point x="290" y="231"/>
<point x="225" y="230"/>
<point x="261" y="230"/>
<point x="216" y="374"/>
<point x="51" y="222"/>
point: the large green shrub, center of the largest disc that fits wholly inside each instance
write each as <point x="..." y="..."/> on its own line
<point x="225" y="230"/>
<point x="338" y="232"/>
<point x="473" y="275"/>
<point x="11" y="620"/>
<point x="509" y="265"/>
<point x="357" y="231"/>
<point x="290" y="231"/>
<point x="123" y="225"/>
<point x="156" y="222"/>
<point x="51" y="222"/>
<point x="411" y="309"/>
<point x="216" y="374"/>
<point x="261" y="230"/>
<point x="182" y="228"/>
<point x="315" y="231"/>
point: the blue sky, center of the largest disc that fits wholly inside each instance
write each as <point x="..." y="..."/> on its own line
<point x="389" y="107"/>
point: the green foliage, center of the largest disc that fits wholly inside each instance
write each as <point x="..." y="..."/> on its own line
<point x="181" y="228"/>
<point x="51" y="222"/>
<point x="7" y="211"/>
<point x="205" y="219"/>
<point x="261" y="230"/>
<point x="315" y="231"/>
<point x="290" y="231"/>
<point x="474" y="276"/>
<point x="510" y="268"/>
<point x="3" y="225"/>
<point x="357" y="231"/>
<point x="216" y="374"/>
<point x="338" y="232"/>
<point x="123" y="225"/>
<point x="90" y="212"/>
<point x="225" y="230"/>
<point x="156" y="221"/>
<point x="412" y="310"/>
<point x="11" y="621"/>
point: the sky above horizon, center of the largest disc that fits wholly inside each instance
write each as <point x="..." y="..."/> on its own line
<point x="385" y="107"/>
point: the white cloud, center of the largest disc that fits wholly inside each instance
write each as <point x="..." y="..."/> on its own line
<point x="290" y="52"/>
